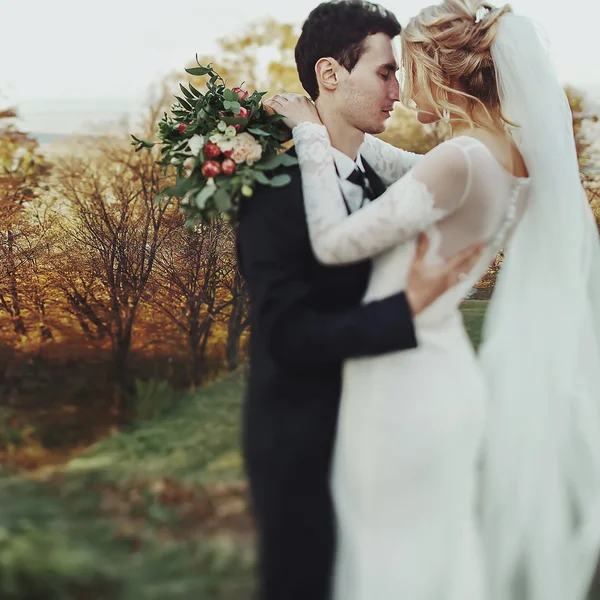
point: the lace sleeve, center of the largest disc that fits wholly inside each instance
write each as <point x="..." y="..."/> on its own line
<point x="389" y="162"/>
<point x="425" y="195"/>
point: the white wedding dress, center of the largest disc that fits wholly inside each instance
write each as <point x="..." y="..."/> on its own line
<point x="405" y="464"/>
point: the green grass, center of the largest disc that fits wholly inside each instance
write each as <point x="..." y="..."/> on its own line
<point x="196" y="442"/>
<point x="473" y="312"/>
<point x="156" y="512"/>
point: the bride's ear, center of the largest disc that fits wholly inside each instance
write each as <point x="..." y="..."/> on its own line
<point x="326" y="70"/>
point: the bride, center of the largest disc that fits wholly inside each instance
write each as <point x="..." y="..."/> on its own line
<point x="456" y="476"/>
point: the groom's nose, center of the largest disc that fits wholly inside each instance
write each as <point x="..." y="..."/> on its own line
<point x="394" y="90"/>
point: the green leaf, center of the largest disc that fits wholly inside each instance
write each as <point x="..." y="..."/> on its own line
<point x="180" y="189"/>
<point x="195" y="91"/>
<point x="199" y="71"/>
<point x="235" y="107"/>
<point x="203" y="195"/>
<point x="234" y="120"/>
<point x="288" y="160"/>
<point x="261" y="178"/>
<point x="280" y="135"/>
<point x="258" y="131"/>
<point x="227" y="105"/>
<point x="186" y="92"/>
<point x="143" y="143"/>
<point x="222" y="200"/>
<point x="271" y="163"/>
<point x="184" y="103"/>
<point x="280" y="180"/>
<point x="179" y="147"/>
<point x="230" y="95"/>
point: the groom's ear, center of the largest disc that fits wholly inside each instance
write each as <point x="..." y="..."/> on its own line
<point x="326" y="70"/>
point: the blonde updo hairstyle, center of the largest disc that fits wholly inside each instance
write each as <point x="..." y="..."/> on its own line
<point x="443" y="49"/>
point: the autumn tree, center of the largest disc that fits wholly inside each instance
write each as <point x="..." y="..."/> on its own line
<point x="191" y="283"/>
<point x="238" y="319"/>
<point x="261" y="57"/>
<point x="22" y="173"/>
<point x="587" y="139"/>
<point x="113" y="230"/>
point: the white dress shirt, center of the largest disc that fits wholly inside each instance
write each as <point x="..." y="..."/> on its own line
<point x="345" y="165"/>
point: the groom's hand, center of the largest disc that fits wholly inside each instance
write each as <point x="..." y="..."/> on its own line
<point x="427" y="283"/>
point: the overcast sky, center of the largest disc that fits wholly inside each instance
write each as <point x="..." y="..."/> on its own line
<point x="67" y="63"/>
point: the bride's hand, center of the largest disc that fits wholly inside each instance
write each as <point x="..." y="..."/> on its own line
<point x="294" y="107"/>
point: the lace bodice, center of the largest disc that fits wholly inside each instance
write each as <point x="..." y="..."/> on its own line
<point x="458" y="188"/>
<point x="389" y="162"/>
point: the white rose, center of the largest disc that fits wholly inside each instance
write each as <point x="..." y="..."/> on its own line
<point x="216" y="138"/>
<point x="255" y="152"/>
<point x="195" y="144"/>
<point x="230" y="131"/>
<point x="189" y="163"/>
<point x="226" y="145"/>
<point x="222" y="126"/>
<point x="246" y="148"/>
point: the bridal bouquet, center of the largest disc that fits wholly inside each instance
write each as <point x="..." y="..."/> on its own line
<point x="221" y="143"/>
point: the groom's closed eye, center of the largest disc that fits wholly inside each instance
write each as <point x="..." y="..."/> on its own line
<point x="386" y="71"/>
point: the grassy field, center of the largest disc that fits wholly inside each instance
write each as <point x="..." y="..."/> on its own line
<point x="157" y="512"/>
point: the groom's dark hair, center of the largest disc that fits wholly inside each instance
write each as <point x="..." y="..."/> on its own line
<point x="339" y="29"/>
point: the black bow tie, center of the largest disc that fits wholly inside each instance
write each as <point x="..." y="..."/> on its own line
<point x="357" y="177"/>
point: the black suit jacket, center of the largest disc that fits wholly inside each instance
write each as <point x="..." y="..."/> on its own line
<point x="306" y="319"/>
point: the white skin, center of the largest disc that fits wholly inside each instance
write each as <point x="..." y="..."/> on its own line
<point x="351" y="104"/>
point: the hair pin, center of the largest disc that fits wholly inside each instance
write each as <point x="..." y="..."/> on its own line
<point x="481" y="12"/>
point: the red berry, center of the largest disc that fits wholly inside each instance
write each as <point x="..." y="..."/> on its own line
<point x="211" y="150"/>
<point x="211" y="168"/>
<point x="228" y="167"/>
<point x="181" y="127"/>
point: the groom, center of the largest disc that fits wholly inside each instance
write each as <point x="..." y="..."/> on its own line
<point x="307" y="318"/>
